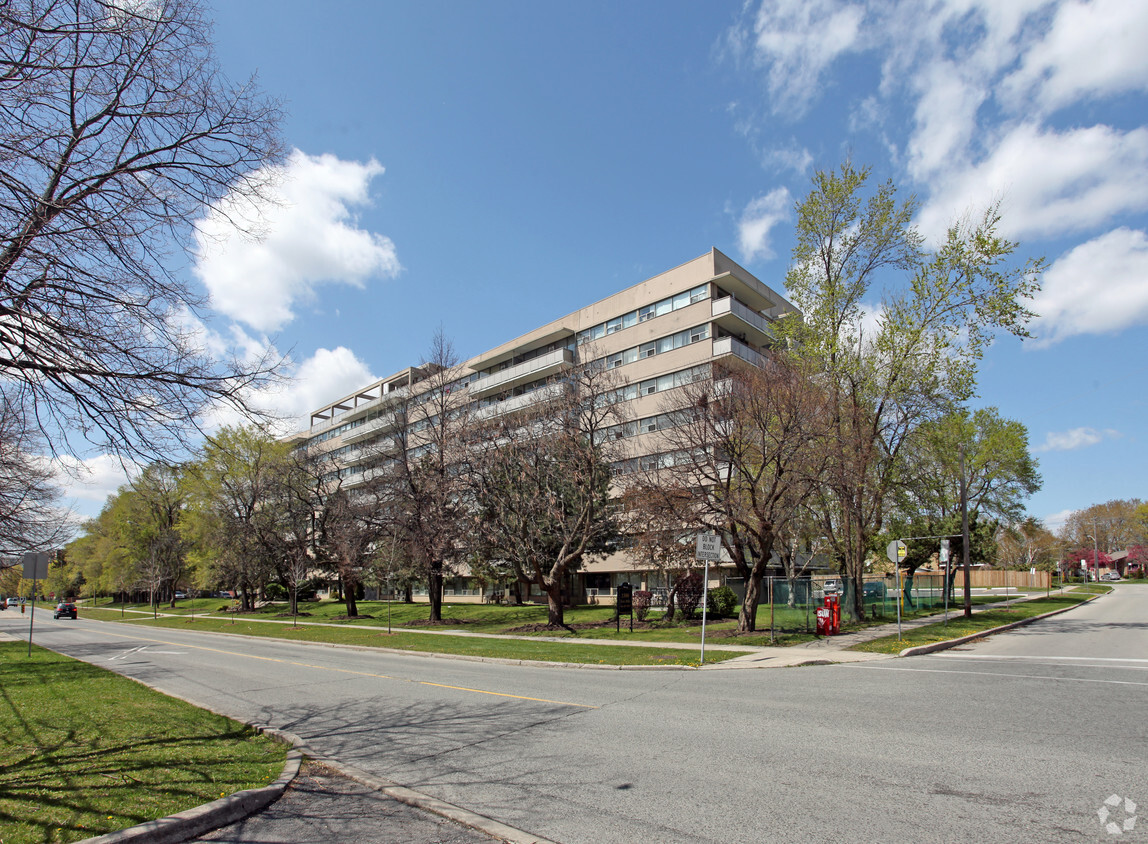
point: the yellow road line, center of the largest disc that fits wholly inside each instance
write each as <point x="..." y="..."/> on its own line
<point x="344" y="670"/>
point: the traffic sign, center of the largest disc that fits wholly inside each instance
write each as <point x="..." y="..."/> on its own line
<point x="35" y="566"/>
<point x="708" y="548"/>
<point x="897" y="551"/>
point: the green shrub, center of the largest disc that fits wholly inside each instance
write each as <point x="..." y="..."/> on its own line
<point x="722" y="602"/>
<point x="275" y="592"/>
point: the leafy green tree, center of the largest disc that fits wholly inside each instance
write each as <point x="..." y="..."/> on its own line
<point x="1000" y="474"/>
<point x="892" y="333"/>
<point x="233" y="487"/>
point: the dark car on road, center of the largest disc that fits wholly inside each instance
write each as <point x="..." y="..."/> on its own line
<point x="65" y="610"/>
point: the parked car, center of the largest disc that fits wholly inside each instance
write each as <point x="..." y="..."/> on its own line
<point x="65" y="609"/>
<point x="831" y="587"/>
<point x="180" y="594"/>
<point x="1111" y="576"/>
<point x="873" y="590"/>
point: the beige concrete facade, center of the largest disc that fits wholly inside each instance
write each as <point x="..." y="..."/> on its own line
<point x="654" y="336"/>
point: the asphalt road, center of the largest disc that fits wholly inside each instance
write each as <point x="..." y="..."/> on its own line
<point x="1020" y="738"/>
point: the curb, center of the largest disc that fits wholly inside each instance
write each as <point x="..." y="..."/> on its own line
<point x="952" y="643"/>
<point x="189" y="823"/>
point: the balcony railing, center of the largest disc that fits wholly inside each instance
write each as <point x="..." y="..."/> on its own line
<point x="732" y="346"/>
<point x="736" y="318"/>
<point x="539" y="367"/>
<point x="550" y="391"/>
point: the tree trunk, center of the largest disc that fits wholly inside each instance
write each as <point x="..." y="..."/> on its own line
<point x="408" y="594"/>
<point x="555" y="616"/>
<point x="747" y="617"/>
<point x="294" y="593"/>
<point x="434" y="591"/>
<point x="349" y="600"/>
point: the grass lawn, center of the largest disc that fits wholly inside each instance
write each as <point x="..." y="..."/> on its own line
<point x="84" y="751"/>
<point x="374" y="637"/>
<point x="959" y="626"/>
<point x="590" y="622"/>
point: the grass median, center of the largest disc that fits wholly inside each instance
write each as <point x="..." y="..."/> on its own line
<point x="791" y="626"/>
<point x="958" y="626"/>
<point x="373" y="637"/>
<point x="84" y="751"/>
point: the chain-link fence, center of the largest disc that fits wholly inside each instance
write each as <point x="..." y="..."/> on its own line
<point x="789" y="605"/>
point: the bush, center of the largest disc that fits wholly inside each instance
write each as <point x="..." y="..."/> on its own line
<point x="642" y="601"/>
<point x="722" y="602"/>
<point x="689" y="590"/>
<point x="275" y="592"/>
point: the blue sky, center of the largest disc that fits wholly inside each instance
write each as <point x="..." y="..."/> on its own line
<point x="488" y="167"/>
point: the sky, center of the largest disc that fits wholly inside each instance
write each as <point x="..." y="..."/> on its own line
<point x="485" y="168"/>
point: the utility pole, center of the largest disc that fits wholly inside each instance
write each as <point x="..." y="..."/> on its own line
<point x="965" y="537"/>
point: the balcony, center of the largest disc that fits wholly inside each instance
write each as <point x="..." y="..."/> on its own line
<point x="531" y="370"/>
<point x="732" y="347"/>
<point x="740" y="321"/>
<point x="370" y="429"/>
<point x="550" y="391"/>
<point x="339" y="414"/>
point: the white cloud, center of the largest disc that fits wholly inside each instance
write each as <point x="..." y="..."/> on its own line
<point x="1055" y="521"/>
<point x="323" y="377"/>
<point x="91" y="480"/>
<point x="1090" y="49"/>
<point x="797" y="40"/>
<point x="1075" y="438"/>
<point x="979" y="79"/>
<point x="308" y="237"/>
<point x="1099" y="287"/>
<point x="758" y="219"/>
<point x="1051" y="182"/>
<point x="793" y="157"/>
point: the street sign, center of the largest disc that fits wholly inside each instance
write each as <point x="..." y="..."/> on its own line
<point x="944" y="550"/>
<point x="897" y="551"/>
<point x="35" y="566"/>
<point x="708" y="548"/>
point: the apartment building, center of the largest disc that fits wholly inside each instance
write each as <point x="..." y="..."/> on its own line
<point x="655" y="336"/>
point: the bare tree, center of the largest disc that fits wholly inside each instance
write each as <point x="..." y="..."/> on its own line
<point x="29" y="517"/>
<point x="350" y="529"/>
<point x="741" y="456"/>
<point x="116" y="131"/>
<point x="540" y="483"/>
<point x="417" y="468"/>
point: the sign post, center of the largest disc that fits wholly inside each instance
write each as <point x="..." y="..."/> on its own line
<point x="35" y="569"/>
<point x="897" y="551"/>
<point x="708" y="549"/>
<point x="624" y="603"/>
<point x="945" y="566"/>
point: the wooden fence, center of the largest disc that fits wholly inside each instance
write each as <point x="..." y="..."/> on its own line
<point x="999" y="578"/>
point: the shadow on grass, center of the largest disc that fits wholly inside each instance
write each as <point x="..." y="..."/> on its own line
<point x="84" y="751"/>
